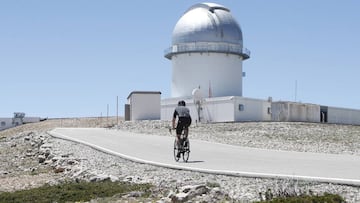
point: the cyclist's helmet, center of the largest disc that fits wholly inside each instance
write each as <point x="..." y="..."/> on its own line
<point x="181" y="103"/>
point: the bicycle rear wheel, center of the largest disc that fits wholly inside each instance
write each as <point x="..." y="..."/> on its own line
<point x="186" y="152"/>
<point x="176" y="151"/>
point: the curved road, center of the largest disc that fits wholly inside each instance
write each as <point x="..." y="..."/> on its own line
<point x="220" y="158"/>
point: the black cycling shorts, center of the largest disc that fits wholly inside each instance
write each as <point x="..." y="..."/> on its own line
<point x="184" y="122"/>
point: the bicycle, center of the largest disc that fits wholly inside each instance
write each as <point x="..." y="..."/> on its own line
<point x="183" y="149"/>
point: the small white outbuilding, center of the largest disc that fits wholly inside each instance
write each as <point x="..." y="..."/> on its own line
<point x="143" y="105"/>
<point x="6" y="123"/>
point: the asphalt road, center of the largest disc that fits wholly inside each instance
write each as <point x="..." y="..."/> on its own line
<point x="220" y="158"/>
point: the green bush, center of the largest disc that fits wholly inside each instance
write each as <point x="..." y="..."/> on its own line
<point x="83" y="191"/>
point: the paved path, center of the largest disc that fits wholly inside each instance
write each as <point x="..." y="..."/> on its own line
<point x="220" y="158"/>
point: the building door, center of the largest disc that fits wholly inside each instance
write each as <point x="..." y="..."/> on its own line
<point x="323" y="114"/>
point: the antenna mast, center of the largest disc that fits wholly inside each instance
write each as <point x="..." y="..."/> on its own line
<point x="295" y="90"/>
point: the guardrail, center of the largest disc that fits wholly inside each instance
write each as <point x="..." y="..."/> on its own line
<point x="219" y="47"/>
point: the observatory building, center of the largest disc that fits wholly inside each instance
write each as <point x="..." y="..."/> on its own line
<point x="207" y="52"/>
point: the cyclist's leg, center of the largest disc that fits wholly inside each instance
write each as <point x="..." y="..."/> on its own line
<point x="186" y="132"/>
<point x="186" y="127"/>
<point x="179" y="147"/>
<point x="178" y="131"/>
<point x="178" y="138"/>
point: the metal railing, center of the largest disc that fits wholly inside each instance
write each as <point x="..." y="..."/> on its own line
<point x="219" y="47"/>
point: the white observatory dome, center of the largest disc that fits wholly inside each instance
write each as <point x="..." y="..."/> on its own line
<point x="207" y="22"/>
<point x="207" y="52"/>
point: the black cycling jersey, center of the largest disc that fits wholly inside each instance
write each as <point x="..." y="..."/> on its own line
<point x="181" y="111"/>
<point x="184" y="120"/>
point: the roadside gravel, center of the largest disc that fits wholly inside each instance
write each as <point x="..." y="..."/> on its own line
<point x="23" y="148"/>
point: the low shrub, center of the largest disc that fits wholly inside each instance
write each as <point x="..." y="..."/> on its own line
<point x="328" y="198"/>
<point x="73" y="192"/>
<point x="295" y="191"/>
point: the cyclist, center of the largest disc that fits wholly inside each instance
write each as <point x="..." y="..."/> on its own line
<point x="184" y="121"/>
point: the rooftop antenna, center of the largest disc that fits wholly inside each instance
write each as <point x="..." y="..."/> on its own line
<point x="210" y="91"/>
<point x="117" y="110"/>
<point x="295" y="90"/>
<point x="107" y="113"/>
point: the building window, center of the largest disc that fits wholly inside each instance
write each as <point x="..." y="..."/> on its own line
<point x="241" y="107"/>
<point x="269" y="110"/>
<point x="3" y="123"/>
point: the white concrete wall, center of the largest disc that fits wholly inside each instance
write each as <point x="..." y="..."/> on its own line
<point x="219" y="109"/>
<point x="343" y="116"/>
<point x="305" y="112"/>
<point x="31" y="119"/>
<point x="168" y="106"/>
<point x="167" y="111"/>
<point x="253" y="109"/>
<point x="280" y="111"/>
<point x="222" y="71"/>
<point x="291" y="111"/>
<point x="213" y="110"/>
<point x="226" y="109"/>
<point x="144" y="106"/>
<point x="6" y="123"/>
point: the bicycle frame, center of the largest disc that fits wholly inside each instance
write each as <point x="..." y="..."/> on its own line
<point x="182" y="148"/>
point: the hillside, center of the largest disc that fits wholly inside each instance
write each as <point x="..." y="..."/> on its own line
<point x="31" y="158"/>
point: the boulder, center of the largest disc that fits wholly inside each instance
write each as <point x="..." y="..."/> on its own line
<point x="99" y="177"/>
<point x="72" y="162"/>
<point x="59" y="170"/>
<point x="41" y="158"/>
<point x="189" y="192"/>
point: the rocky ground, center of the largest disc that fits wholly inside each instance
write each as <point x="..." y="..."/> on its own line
<point x="30" y="158"/>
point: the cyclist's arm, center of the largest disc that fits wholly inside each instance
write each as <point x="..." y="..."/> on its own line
<point x="173" y="123"/>
<point x="174" y="118"/>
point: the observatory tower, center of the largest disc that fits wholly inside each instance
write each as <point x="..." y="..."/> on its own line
<point x="207" y="52"/>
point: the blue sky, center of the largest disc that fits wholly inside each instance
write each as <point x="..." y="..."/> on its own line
<point x="73" y="58"/>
